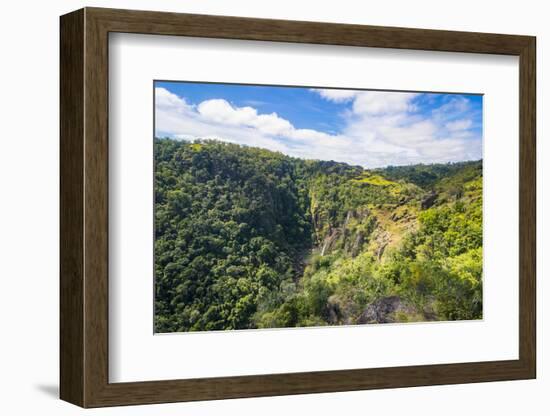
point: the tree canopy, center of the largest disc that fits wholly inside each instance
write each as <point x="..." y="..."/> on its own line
<point x="249" y="238"/>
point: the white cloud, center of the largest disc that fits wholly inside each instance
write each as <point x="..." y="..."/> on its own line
<point x="337" y="96"/>
<point x="165" y="100"/>
<point x="378" y="102"/>
<point x="381" y="128"/>
<point x="456" y="105"/>
<point x="220" y="111"/>
<point x="459" y="125"/>
<point x="370" y="102"/>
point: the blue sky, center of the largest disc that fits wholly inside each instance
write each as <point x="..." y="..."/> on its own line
<point x="297" y="105"/>
<point x="368" y="128"/>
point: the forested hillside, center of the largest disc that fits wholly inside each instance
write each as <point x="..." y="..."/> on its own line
<point x="249" y="238"/>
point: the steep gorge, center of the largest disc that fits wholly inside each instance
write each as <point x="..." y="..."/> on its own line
<point x="248" y="238"/>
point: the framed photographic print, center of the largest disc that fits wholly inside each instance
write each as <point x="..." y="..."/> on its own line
<point x="256" y="207"/>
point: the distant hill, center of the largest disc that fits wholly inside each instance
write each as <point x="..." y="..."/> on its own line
<point x="249" y="238"/>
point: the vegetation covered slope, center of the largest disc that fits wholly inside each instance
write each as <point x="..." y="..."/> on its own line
<point x="248" y="238"/>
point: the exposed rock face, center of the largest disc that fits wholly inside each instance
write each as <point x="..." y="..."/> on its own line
<point x="333" y="312"/>
<point x="346" y="236"/>
<point x="399" y="214"/>
<point x="357" y="244"/>
<point x="350" y="214"/>
<point x="429" y="200"/>
<point x="381" y="239"/>
<point x="330" y="240"/>
<point x="384" y="311"/>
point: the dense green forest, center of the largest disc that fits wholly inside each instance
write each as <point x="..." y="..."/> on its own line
<point x="249" y="238"/>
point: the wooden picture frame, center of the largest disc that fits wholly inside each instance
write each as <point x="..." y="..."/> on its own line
<point x="84" y="207"/>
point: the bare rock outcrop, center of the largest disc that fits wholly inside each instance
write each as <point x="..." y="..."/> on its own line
<point x="384" y="310"/>
<point x="428" y="200"/>
<point x="330" y="241"/>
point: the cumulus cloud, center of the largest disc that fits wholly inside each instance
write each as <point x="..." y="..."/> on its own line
<point x="380" y="103"/>
<point x="381" y="128"/>
<point x="337" y="96"/>
<point x="220" y="111"/>
<point x="371" y="102"/>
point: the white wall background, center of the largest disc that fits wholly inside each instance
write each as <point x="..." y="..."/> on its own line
<point x="29" y="207"/>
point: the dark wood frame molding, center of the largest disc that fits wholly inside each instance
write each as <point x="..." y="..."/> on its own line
<point x="84" y="209"/>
